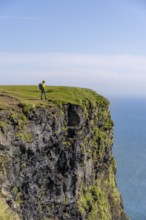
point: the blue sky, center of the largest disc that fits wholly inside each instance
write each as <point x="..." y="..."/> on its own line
<point x="99" y="44"/>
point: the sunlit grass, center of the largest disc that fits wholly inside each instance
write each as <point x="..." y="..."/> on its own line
<point x="55" y="94"/>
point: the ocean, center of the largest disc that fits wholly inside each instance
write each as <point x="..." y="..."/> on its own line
<point x="129" y="116"/>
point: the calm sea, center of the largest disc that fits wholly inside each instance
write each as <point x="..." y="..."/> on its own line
<point x="129" y="116"/>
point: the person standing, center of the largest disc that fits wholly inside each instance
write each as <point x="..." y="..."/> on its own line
<point x="43" y="91"/>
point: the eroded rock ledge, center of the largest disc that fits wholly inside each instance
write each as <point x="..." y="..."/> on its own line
<point x="56" y="163"/>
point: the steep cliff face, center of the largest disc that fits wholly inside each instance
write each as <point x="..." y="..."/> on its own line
<point x="56" y="163"/>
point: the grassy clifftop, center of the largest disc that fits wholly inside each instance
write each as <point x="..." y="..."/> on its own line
<point x="11" y="95"/>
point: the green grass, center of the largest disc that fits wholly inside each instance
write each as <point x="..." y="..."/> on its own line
<point x="55" y="94"/>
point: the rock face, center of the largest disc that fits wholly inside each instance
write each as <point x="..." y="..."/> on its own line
<point x="56" y="163"/>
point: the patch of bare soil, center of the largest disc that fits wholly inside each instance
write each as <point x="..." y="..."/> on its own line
<point x="7" y="100"/>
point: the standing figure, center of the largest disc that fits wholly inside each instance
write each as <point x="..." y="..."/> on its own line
<point x="42" y="88"/>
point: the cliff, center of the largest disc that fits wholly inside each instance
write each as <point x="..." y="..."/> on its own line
<point x="56" y="157"/>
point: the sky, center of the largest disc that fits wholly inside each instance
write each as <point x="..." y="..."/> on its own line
<point x="96" y="44"/>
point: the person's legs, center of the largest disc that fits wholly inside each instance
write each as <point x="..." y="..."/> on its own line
<point x="43" y="93"/>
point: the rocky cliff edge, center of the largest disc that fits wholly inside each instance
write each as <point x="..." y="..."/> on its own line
<point x="56" y="158"/>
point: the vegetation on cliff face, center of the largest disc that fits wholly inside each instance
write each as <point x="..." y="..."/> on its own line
<point x="6" y="213"/>
<point x="56" y="155"/>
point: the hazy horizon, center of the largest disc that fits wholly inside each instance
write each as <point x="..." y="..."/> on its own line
<point x="98" y="45"/>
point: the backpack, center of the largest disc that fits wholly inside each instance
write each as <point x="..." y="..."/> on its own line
<point x="40" y="86"/>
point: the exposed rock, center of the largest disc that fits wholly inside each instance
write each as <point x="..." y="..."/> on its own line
<point x="58" y="164"/>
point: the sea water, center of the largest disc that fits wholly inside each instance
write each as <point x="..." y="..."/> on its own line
<point x="129" y="116"/>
